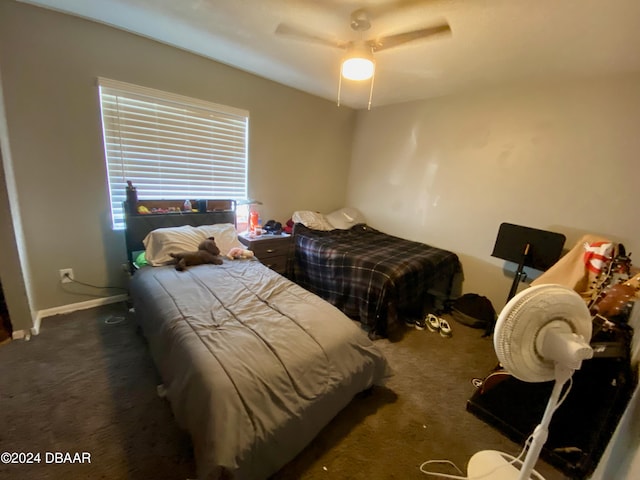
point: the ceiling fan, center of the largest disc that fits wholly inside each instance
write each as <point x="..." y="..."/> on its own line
<point x="358" y="62"/>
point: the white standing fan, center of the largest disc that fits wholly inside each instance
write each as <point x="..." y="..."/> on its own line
<point x="542" y="334"/>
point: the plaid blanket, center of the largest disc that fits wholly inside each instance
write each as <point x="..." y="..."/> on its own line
<point x="368" y="274"/>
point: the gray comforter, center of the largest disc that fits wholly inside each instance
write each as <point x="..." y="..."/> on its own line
<point x="254" y="365"/>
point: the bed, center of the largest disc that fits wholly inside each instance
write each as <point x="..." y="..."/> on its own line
<point x="253" y="365"/>
<point x="373" y="277"/>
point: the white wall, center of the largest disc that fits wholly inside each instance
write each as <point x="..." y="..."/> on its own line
<point x="449" y="171"/>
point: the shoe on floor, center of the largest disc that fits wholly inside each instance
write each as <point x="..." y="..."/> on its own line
<point x="420" y="324"/>
<point x="445" y="328"/>
<point x="410" y="322"/>
<point x="433" y="323"/>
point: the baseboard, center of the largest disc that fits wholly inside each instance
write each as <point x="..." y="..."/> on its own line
<point x="73" y="307"/>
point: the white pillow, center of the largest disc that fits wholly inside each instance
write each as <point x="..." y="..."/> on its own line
<point x="313" y="220"/>
<point x="161" y="242"/>
<point x="225" y="235"/>
<point x="345" y="218"/>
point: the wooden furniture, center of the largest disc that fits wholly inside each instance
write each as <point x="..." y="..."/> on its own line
<point x="271" y="250"/>
<point x="208" y="212"/>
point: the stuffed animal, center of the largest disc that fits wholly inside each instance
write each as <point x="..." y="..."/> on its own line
<point x="237" y="252"/>
<point x="208" y="252"/>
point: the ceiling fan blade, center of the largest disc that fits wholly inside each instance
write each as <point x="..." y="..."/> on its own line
<point x="308" y="36"/>
<point x="390" y="41"/>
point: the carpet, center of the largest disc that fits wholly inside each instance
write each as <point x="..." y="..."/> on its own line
<point x="86" y="384"/>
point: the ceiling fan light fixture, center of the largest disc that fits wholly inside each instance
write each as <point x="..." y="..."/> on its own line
<point x="358" y="68"/>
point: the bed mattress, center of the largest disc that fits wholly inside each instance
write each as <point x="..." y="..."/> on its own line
<point x="365" y="272"/>
<point x="254" y="366"/>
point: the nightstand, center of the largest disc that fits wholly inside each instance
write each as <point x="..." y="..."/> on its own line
<point x="271" y="250"/>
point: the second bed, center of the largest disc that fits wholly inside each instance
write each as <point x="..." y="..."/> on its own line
<point x="372" y="276"/>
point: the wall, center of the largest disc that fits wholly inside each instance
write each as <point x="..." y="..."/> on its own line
<point x="563" y="158"/>
<point x="299" y="144"/>
<point x="449" y="171"/>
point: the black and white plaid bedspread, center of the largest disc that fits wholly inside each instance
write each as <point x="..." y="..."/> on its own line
<point x="364" y="272"/>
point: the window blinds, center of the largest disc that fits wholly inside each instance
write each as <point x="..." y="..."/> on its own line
<point x="170" y="146"/>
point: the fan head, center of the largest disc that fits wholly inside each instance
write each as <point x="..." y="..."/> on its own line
<point x="360" y="20"/>
<point x="530" y="322"/>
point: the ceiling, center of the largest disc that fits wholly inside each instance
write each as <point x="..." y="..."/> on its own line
<point x="492" y="42"/>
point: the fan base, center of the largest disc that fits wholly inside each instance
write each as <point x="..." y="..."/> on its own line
<point x="496" y="466"/>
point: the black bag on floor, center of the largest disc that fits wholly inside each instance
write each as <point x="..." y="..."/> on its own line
<point x="473" y="310"/>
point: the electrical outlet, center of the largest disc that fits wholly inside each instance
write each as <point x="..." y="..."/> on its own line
<point x="66" y="275"/>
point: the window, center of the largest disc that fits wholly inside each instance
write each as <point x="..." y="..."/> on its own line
<point x="171" y="147"/>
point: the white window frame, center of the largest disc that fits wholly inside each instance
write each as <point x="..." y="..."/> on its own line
<point x="170" y="146"/>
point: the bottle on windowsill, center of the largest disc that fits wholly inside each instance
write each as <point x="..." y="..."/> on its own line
<point x="187" y="205"/>
<point x="132" y="198"/>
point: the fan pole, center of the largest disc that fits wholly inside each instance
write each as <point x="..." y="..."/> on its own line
<point x="518" y="277"/>
<point x="541" y="432"/>
<point x="519" y="273"/>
